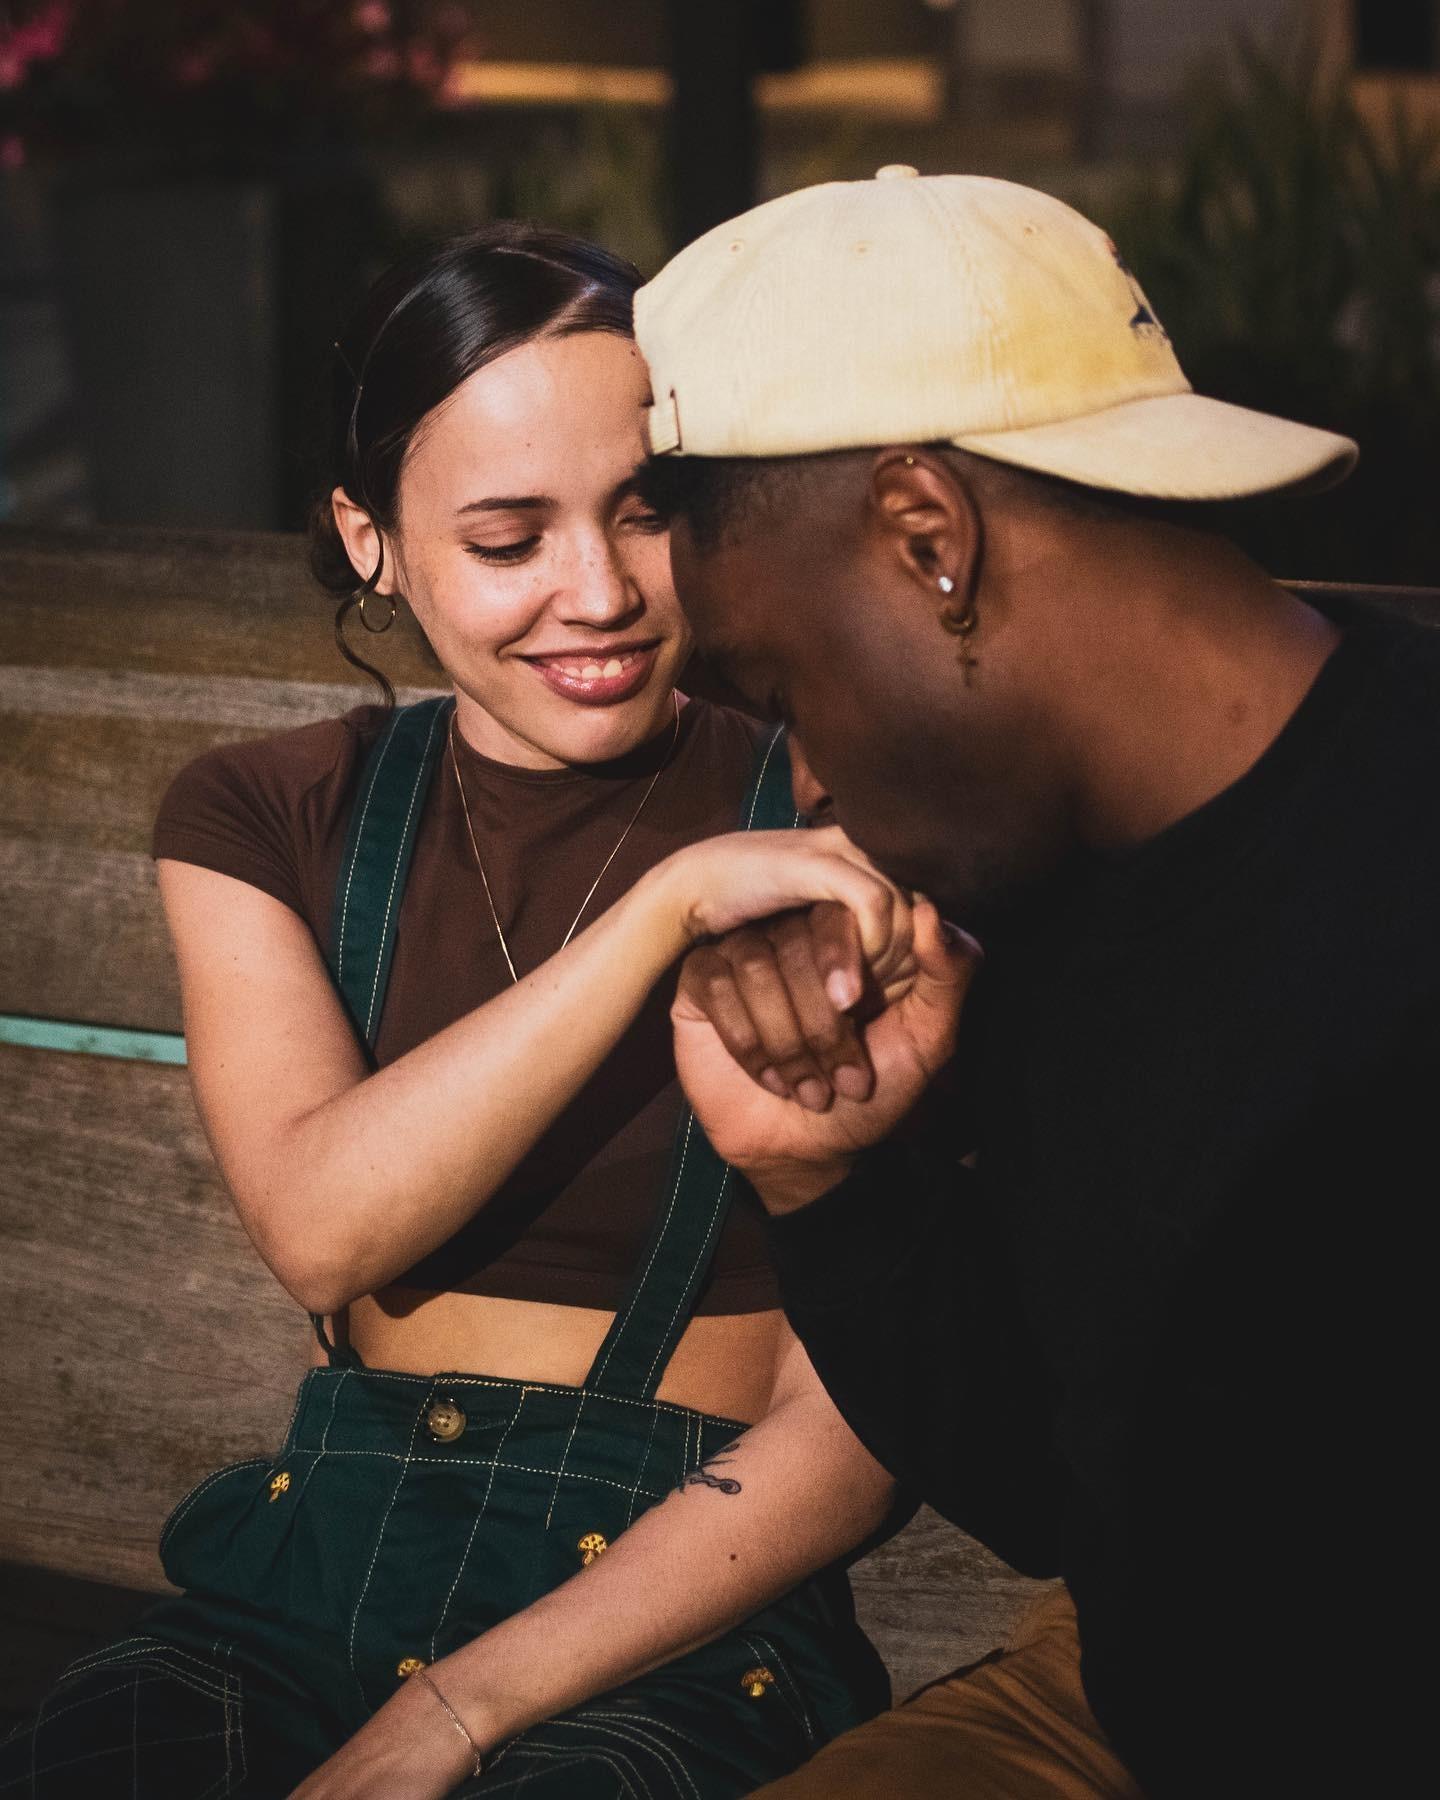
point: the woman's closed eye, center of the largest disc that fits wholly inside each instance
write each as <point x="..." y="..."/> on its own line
<point x="506" y="553"/>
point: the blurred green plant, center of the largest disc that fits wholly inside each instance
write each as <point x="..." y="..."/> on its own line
<point x="598" y="174"/>
<point x="1294" y="256"/>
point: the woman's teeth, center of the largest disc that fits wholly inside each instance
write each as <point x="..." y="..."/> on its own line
<point x="593" y="671"/>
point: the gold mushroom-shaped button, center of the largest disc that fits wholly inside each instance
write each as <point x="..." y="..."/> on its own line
<point x="445" y="1420"/>
<point x="279" y="1484"/>
<point x="408" y="1666"/>
<point x="755" y="1682"/>
<point x="591" y="1546"/>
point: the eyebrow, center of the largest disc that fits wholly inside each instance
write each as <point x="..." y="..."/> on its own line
<point x="538" y="502"/>
<point x="507" y="503"/>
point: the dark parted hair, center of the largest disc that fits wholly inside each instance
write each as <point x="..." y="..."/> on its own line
<point x="426" y="326"/>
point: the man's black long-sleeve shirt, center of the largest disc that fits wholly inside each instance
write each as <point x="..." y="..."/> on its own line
<point x="1165" y="1338"/>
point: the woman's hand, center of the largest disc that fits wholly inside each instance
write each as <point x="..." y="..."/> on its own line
<point x="752" y="1028"/>
<point x="409" y="1750"/>
<point x="724" y="883"/>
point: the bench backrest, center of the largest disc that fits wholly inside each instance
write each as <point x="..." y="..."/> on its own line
<point x="141" y="1340"/>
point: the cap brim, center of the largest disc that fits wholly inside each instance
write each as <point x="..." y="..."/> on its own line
<point x="1176" y="447"/>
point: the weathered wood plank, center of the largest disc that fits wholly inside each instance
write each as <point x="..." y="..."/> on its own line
<point x="85" y="756"/>
<point x="84" y="937"/>
<point x="933" y="1599"/>
<point x="201" y="602"/>
<point x="143" y="1341"/>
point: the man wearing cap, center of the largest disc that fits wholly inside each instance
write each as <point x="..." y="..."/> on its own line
<point x="1135" y="1306"/>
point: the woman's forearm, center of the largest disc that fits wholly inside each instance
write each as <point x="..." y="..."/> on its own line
<point x="695" y="1565"/>
<point x="395" y="1164"/>
<point x="345" y="1179"/>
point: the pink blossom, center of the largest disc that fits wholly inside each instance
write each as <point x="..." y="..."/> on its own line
<point x="40" y="39"/>
<point x="424" y="66"/>
<point x="44" y="37"/>
<point x="373" y="17"/>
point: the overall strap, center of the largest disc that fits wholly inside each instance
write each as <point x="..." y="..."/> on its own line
<point x="677" y="1258"/>
<point x="376" y="860"/>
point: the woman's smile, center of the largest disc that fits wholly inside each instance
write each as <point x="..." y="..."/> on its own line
<point x="599" y="676"/>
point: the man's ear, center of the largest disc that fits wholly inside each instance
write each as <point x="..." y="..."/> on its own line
<point x="365" y="544"/>
<point x="925" y="515"/>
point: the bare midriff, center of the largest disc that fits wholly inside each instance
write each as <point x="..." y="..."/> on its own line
<point x="725" y="1362"/>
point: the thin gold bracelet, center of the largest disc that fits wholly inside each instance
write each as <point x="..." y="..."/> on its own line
<point x="455" y="1719"/>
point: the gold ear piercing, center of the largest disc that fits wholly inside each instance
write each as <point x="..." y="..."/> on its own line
<point x="960" y="621"/>
<point x="370" y="594"/>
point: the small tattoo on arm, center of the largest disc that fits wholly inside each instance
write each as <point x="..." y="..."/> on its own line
<point x="704" y="1474"/>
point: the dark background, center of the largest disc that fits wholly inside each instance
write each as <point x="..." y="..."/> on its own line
<point x="192" y="193"/>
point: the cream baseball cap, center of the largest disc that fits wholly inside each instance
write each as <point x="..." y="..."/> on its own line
<point x="945" y="308"/>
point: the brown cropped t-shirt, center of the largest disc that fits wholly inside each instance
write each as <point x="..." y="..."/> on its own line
<point x="569" y="1224"/>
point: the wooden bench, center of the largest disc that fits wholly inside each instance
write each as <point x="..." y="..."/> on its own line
<point x="142" y="1342"/>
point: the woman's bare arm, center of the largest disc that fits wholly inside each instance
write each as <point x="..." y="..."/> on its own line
<point x="344" y="1178"/>
<point x="793" y="1494"/>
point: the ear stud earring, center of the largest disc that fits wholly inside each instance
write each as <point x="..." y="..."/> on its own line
<point x="960" y="621"/>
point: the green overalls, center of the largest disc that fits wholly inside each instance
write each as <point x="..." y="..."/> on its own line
<point x="404" y="1515"/>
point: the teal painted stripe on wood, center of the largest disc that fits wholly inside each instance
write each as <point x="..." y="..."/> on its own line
<point x="91" y="1040"/>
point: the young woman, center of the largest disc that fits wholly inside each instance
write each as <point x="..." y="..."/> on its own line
<point x="548" y="1514"/>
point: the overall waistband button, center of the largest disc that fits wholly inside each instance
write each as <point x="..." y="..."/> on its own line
<point x="445" y="1421"/>
<point x="591" y="1546"/>
<point x="408" y="1666"/>
<point x="755" y="1682"/>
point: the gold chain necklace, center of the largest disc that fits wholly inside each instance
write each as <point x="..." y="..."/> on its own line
<point x="590" y="895"/>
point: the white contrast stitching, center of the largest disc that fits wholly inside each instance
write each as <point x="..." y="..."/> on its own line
<point x="765" y="1651"/>
<point x="318" y="1456"/>
<point x="663" y="1751"/>
<point x="140" y="1646"/>
<point x="660" y="1725"/>
<point x="395" y="872"/>
<point x="379" y="1539"/>
<point x="564" y="1458"/>
<point x="624" y="1324"/>
<point x="611" y="1759"/>
<point x="640" y="1471"/>
<point x="668" y="1407"/>
<point x="355" y="854"/>
<point x="475" y="1526"/>
<point x="69" y="1762"/>
<point x="699" y="1257"/>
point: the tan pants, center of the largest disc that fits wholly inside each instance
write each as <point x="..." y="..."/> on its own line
<point x="1015" y="1727"/>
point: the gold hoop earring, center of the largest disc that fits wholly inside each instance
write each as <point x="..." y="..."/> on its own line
<point x="375" y="630"/>
<point x="960" y="618"/>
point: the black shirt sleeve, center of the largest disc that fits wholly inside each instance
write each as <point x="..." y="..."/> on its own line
<point x="894" y="1281"/>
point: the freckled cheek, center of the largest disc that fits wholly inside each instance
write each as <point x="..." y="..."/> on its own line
<point x="481" y="609"/>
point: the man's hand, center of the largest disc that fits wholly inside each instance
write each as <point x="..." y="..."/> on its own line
<point x="786" y="1081"/>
